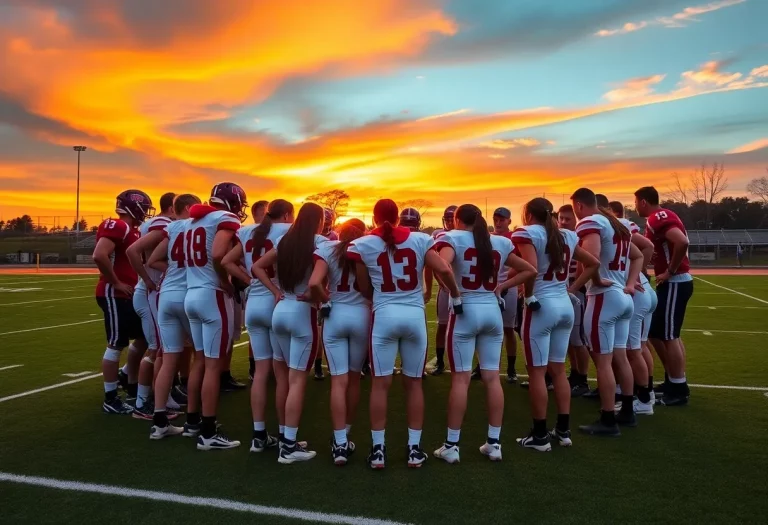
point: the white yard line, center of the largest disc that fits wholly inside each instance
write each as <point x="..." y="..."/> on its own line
<point x="45" y="388"/>
<point x="48" y="300"/>
<point x="196" y="501"/>
<point x="710" y="331"/>
<point x="718" y="307"/>
<point x="93" y="278"/>
<point x="9" y="367"/>
<point x="50" y="327"/>
<point x="732" y="291"/>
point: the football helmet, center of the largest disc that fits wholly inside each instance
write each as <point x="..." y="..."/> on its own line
<point x="232" y="197"/>
<point x="135" y="204"/>
<point x="448" y="214"/>
<point x="410" y="218"/>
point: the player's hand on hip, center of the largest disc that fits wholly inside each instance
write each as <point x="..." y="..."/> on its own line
<point x="629" y="290"/>
<point x="278" y="297"/>
<point x="662" y="278"/>
<point x="605" y="283"/>
<point x="151" y="286"/>
<point x="124" y="288"/>
<point x="228" y="288"/>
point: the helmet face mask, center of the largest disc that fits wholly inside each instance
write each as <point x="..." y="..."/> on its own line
<point x="136" y="204"/>
<point x="448" y="215"/>
<point x="410" y="218"/>
<point x="232" y="198"/>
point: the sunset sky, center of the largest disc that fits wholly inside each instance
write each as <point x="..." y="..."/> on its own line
<point x="453" y="101"/>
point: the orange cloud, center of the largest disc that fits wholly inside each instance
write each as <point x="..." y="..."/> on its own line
<point x="634" y="88"/>
<point x="751" y="146"/>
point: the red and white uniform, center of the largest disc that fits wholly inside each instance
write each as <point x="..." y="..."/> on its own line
<point x="398" y="321"/>
<point x="509" y="315"/>
<point x="577" y="332"/>
<point x="144" y="301"/>
<point x="443" y="308"/>
<point x="209" y="309"/>
<point x="346" y="331"/>
<point x="294" y="324"/>
<point x="123" y="236"/>
<point x="546" y="332"/>
<point x="172" y="320"/>
<point x="260" y="303"/>
<point x="480" y="327"/>
<point x="644" y="304"/>
<point x="655" y="230"/>
<point x="609" y="309"/>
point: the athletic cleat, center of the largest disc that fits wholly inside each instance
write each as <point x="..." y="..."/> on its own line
<point x="653" y="397"/>
<point x="218" y="442"/>
<point x="475" y="374"/>
<point x="281" y="442"/>
<point x="542" y="444"/>
<point x="147" y="412"/>
<point x="178" y="395"/>
<point x="524" y="385"/>
<point x="122" y="379"/>
<point x="166" y="431"/>
<point x="512" y="378"/>
<point x="341" y="453"/>
<point x="563" y="438"/>
<point x="294" y="453"/>
<point x="259" y="445"/>
<point x="660" y="389"/>
<point x="438" y="370"/>
<point x="673" y="401"/>
<point x="416" y="456"/>
<point x="116" y="406"/>
<point x="598" y="428"/>
<point x="191" y="430"/>
<point x="592" y="394"/>
<point x="230" y="384"/>
<point x="579" y="390"/>
<point x="448" y="453"/>
<point x="550" y="386"/>
<point x="643" y="409"/>
<point x="626" y="420"/>
<point x="378" y="457"/>
<point x="318" y="375"/>
<point x="491" y="450"/>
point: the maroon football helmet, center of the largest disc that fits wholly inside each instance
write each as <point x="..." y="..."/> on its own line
<point x="410" y="218"/>
<point x="136" y="204"/>
<point x="232" y="197"/>
<point x="448" y="214"/>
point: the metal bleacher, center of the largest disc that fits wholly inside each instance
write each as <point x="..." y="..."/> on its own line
<point x="727" y="237"/>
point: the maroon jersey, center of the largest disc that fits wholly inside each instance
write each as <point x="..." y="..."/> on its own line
<point x="658" y="224"/>
<point x="123" y="236"/>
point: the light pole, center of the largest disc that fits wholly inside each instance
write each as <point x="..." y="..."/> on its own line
<point x="78" y="149"/>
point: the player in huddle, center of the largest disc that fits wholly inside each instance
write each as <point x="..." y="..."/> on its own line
<point x="114" y="293"/>
<point x="442" y="295"/>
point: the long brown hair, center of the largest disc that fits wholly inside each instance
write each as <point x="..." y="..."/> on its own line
<point x="348" y="232"/>
<point x="276" y="209"/>
<point x="588" y="198"/>
<point x="386" y="217"/>
<point x="542" y="211"/>
<point x="470" y="215"/>
<point x="296" y="248"/>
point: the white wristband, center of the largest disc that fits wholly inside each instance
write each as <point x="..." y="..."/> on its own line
<point x="531" y="299"/>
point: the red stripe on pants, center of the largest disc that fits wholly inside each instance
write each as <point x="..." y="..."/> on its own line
<point x="370" y="345"/>
<point x="449" y="341"/>
<point x="220" y="302"/>
<point x="527" y="316"/>
<point x="595" y="335"/>
<point x="315" y="342"/>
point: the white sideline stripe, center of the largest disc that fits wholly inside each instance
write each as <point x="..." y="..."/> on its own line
<point x="95" y="276"/>
<point x="170" y="497"/>
<point x="46" y="300"/>
<point x="709" y="332"/>
<point x="49" y="327"/>
<point x="733" y="291"/>
<point x="728" y="306"/>
<point x="78" y="374"/>
<point x="51" y="387"/>
<point x="9" y="367"/>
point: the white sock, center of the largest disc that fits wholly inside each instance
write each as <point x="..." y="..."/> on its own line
<point x="109" y="387"/>
<point x="494" y="432"/>
<point x="378" y="437"/>
<point x="170" y="403"/>
<point x="142" y="393"/>
<point x="340" y="436"/>
<point x="125" y="369"/>
<point x="677" y="380"/>
<point x="414" y="437"/>
<point x="348" y="428"/>
<point x="618" y="388"/>
<point x="290" y="433"/>
<point x="258" y="426"/>
<point x="453" y="435"/>
<point x="281" y="429"/>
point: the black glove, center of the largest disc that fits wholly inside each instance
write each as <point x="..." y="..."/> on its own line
<point x="325" y="311"/>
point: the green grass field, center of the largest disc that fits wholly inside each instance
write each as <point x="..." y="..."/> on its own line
<point x="702" y="463"/>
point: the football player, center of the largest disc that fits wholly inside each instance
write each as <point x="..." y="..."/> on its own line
<point x="609" y="307"/>
<point x="145" y="301"/>
<point x="328" y="232"/>
<point x="442" y="296"/>
<point x="476" y="258"/>
<point x="114" y="293"/>
<point x="393" y="258"/>
<point x="674" y="287"/>
<point x="208" y="303"/>
<point x="502" y="218"/>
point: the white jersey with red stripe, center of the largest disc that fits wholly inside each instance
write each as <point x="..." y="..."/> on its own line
<point x="175" y="279"/>
<point x="301" y="287"/>
<point x="473" y="289"/>
<point x="154" y="224"/>
<point x="503" y="270"/>
<point x="342" y="282"/>
<point x="396" y="275"/>
<point x="245" y="236"/>
<point x="549" y="283"/>
<point x="614" y="252"/>
<point x="198" y="243"/>
<point x="633" y="229"/>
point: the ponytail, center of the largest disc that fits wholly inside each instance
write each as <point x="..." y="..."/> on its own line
<point x="348" y="232"/>
<point x="276" y="209"/>
<point x="385" y="216"/>
<point x="388" y="236"/>
<point x="470" y="215"/>
<point x="541" y="210"/>
<point x="618" y="227"/>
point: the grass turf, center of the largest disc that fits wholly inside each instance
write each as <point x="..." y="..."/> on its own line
<point x="704" y="462"/>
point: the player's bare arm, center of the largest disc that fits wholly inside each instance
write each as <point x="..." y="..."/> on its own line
<point x="635" y="267"/>
<point x="233" y="264"/>
<point x="102" y="257"/>
<point x="137" y="249"/>
<point x="221" y="244"/>
<point x="528" y="254"/>
<point x="318" y="289"/>
<point x="442" y="271"/>
<point x="158" y="260"/>
<point x="521" y="272"/>
<point x="679" y="242"/>
<point x="428" y="279"/>
<point x="259" y="271"/>
<point x="363" y="280"/>
<point x="591" y="244"/>
<point x="646" y="246"/>
<point x="589" y="266"/>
